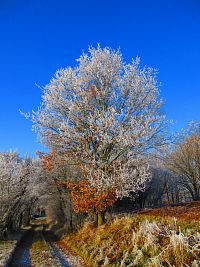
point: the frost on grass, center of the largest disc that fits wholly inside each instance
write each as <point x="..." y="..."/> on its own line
<point x="6" y="250"/>
<point x="138" y="241"/>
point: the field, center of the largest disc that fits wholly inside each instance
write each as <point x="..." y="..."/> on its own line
<point x="167" y="236"/>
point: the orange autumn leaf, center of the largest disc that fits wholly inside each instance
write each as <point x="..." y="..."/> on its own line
<point x="85" y="197"/>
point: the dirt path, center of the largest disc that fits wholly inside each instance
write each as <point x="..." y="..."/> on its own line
<point x="61" y="258"/>
<point x="21" y="256"/>
<point x="55" y="251"/>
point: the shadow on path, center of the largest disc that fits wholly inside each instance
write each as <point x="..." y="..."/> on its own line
<point x="55" y="251"/>
<point x="21" y="256"/>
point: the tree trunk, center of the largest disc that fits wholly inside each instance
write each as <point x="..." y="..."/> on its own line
<point x="196" y="193"/>
<point x="196" y="196"/>
<point x="101" y="218"/>
<point x="172" y="197"/>
<point x="95" y="216"/>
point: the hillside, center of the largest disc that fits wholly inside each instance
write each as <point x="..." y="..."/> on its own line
<point x="152" y="238"/>
<point x="186" y="211"/>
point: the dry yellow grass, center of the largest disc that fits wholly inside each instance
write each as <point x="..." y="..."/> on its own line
<point x="138" y="241"/>
<point x="186" y="211"/>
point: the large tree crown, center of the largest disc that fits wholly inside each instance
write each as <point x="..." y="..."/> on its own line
<point x="105" y="115"/>
<point x="102" y="101"/>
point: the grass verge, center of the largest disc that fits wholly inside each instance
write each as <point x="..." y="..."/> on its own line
<point x="140" y="240"/>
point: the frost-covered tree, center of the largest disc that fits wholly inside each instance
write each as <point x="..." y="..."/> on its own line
<point x="17" y="190"/>
<point x="104" y="115"/>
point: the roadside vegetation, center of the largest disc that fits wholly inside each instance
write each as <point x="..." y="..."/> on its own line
<point x="139" y="240"/>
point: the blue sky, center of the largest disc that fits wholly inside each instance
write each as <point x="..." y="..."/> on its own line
<point x="40" y="36"/>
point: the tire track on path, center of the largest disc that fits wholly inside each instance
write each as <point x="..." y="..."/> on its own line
<point x="21" y="256"/>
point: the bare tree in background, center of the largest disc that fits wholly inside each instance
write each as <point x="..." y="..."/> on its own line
<point x="184" y="161"/>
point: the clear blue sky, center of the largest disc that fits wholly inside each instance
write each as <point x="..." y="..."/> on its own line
<point x="40" y="36"/>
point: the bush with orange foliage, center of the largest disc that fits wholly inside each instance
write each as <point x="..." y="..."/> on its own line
<point x="86" y="198"/>
<point x="47" y="162"/>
